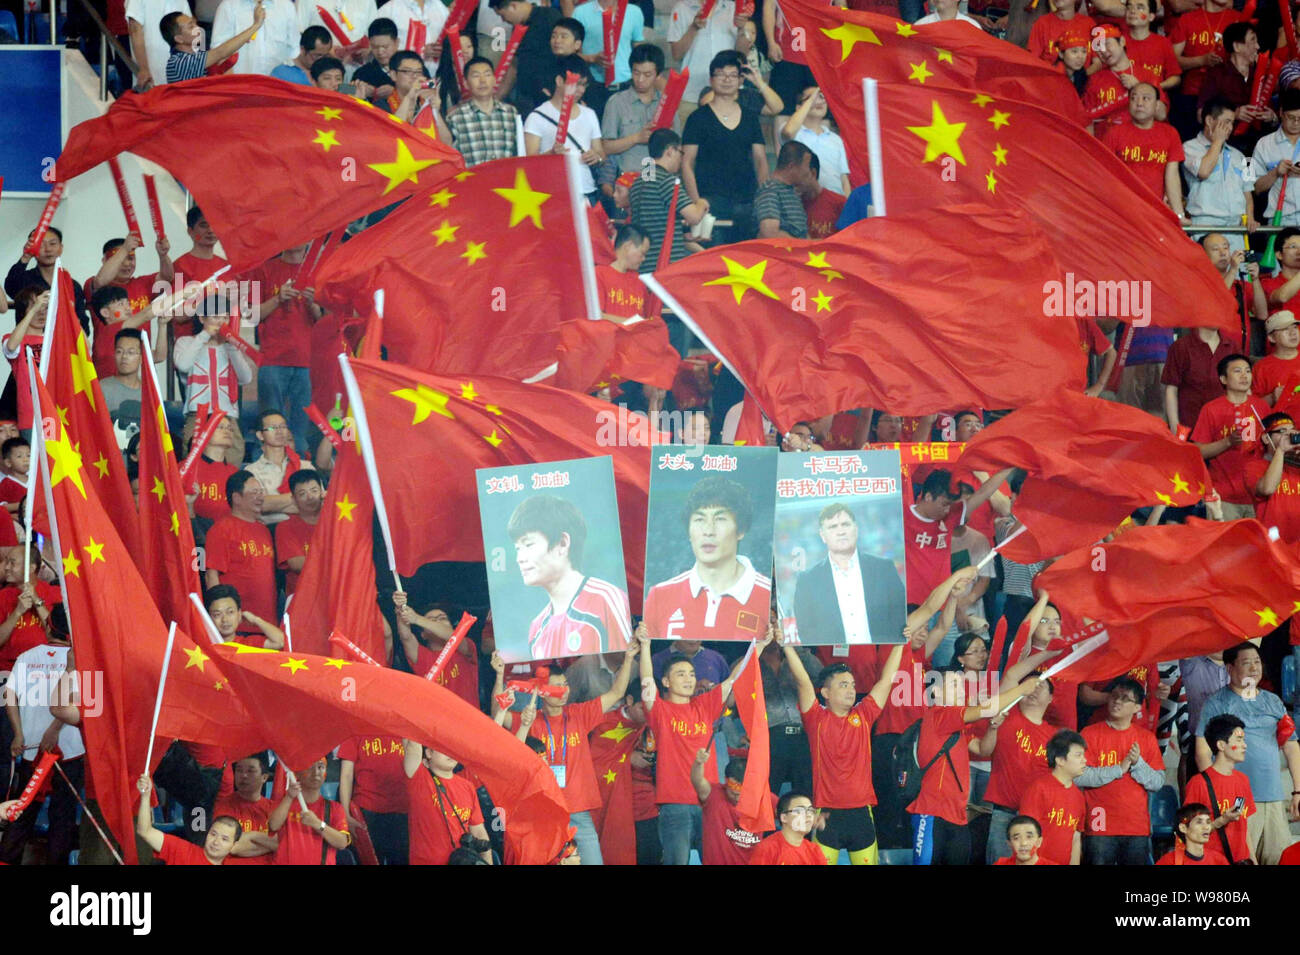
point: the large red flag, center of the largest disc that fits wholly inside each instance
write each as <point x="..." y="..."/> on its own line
<point x="1123" y="253"/>
<point x="1091" y="463"/>
<point x="478" y="275"/>
<point x="755" y="806"/>
<point x="169" y="559"/>
<point x="259" y="156"/>
<point x="844" y="47"/>
<point x="407" y="419"/>
<point x="612" y="743"/>
<point x="917" y="314"/>
<point x="336" y="592"/>
<point x="308" y="704"/>
<point x="595" y="355"/>
<point x="1173" y="591"/>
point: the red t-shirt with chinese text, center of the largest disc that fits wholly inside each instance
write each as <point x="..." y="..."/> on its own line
<point x="1060" y="810"/>
<point x="439" y="815"/>
<point x="1200" y="32"/>
<point x="906" y="700"/>
<point x="176" y="851"/>
<point x="1146" y="152"/>
<point x="681" y="730"/>
<point x="1227" y="790"/>
<point x="1048" y="28"/>
<point x="1019" y="759"/>
<point x="1218" y="419"/>
<point x="1105" y="98"/>
<point x="27" y="632"/>
<point x="944" y="795"/>
<point x="211" y="477"/>
<point x="776" y="850"/>
<point x="1153" y="56"/>
<point x="292" y="538"/>
<point x="302" y="846"/>
<point x="378" y="778"/>
<point x="929" y="554"/>
<point x="284" y="335"/>
<point x="725" y="841"/>
<point x="565" y="738"/>
<point x="252" y="816"/>
<point x="823" y="212"/>
<point x="1281" y="509"/>
<point x="841" y="755"/>
<point x="1270" y="372"/>
<point x="622" y="294"/>
<point x="242" y="553"/>
<point x="460" y="675"/>
<point x="1123" y="803"/>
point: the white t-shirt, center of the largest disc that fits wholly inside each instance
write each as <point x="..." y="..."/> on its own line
<point x="357" y="13"/>
<point x="276" y="41"/>
<point x="935" y="18"/>
<point x="35" y="682"/>
<point x="149" y="14"/>
<point x="829" y="148"/>
<point x="718" y="34"/>
<point x="402" y="12"/>
<point x="584" y="129"/>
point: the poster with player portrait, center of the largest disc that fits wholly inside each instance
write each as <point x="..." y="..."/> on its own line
<point x="839" y="556"/>
<point x="709" y="543"/>
<point x="554" y="559"/>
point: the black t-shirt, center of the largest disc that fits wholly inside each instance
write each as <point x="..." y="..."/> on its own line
<point x="724" y="165"/>
<point x="373" y="74"/>
<point x="534" y="61"/>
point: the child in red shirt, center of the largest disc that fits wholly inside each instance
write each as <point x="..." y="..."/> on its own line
<point x="1232" y="801"/>
<point x="1056" y="802"/>
<point x="790" y="846"/>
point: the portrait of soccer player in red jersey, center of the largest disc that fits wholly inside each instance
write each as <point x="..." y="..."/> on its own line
<point x="540" y="543"/>
<point x="713" y="580"/>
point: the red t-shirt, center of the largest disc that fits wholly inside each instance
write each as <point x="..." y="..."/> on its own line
<point x="1270" y="372"/>
<point x="460" y="675"/>
<point x="1092" y="340"/>
<point x="1123" y="802"/>
<point x="909" y="687"/>
<point x="1048" y="28"/>
<point x="565" y="738"/>
<point x="681" y="730"/>
<point x="1270" y="284"/>
<point x="18" y="372"/>
<point x="190" y="268"/>
<point x="1064" y="710"/>
<point x="1281" y="509"/>
<point x="292" y="538"/>
<point x="675" y="611"/>
<point x="1200" y="32"/>
<point x="176" y="851"/>
<point x="378" y="779"/>
<point x="1019" y="759"/>
<point x="1290" y="856"/>
<point x="302" y="846"/>
<point x="1060" y="811"/>
<point x="1011" y="860"/>
<point x="27" y="632"/>
<point x="439" y="815"/>
<point x="211" y="476"/>
<point x="1212" y="856"/>
<point x="1146" y="152"/>
<point x="1218" y="418"/>
<point x="1104" y="97"/>
<point x="1153" y="56"/>
<point x="327" y="341"/>
<point x="823" y="212"/>
<point x="242" y="553"/>
<point x="944" y="795"/>
<point x="252" y="816"/>
<point x="841" y="755"/>
<point x="1228" y="789"/>
<point x="284" y="335"/>
<point x="139" y="293"/>
<point x="622" y="294"/>
<point x="725" y="840"/>
<point x="776" y="850"/>
<point x="929" y="554"/>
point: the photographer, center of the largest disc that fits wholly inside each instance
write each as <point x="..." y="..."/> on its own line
<point x="1275" y="481"/>
<point x="412" y="91"/>
<point x="1240" y="271"/>
<point x="444" y="808"/>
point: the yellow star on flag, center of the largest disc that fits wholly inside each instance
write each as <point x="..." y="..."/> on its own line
<point x="326" y="139"/>
<point x="618" y="733"/>
<point x="327" y="113"/>
<point x="467" y="391"/>
<point x="176" y="525"/>
<point x="992" y="181"/>
<point x="71" y="565"/>
<point x="346" y="508"/>
<point x="1296" y="608"/>
<point x="525" y="202"/>
<point x="817" y="260"/>
<point x="293" y="665"/>
<point x="101" y="465"/>
<point x="337" y="664"/>
<point x="743" y="279"/>
<point x="404" y="168"/>
<point x="96" y="551"/>
<point x="474" y="252"/>
<point x="63" y="416"/>
<point x="905" y="29"/>
<point x="493" y="409"/>
<point x="242" y="648"/>
<point x="610" y="776"/>
<point x="159" y="489"/>
<point x="982" y="99"/>
<point x="943" y="56"/>
<point x="1180" y="486"/>
<point x="941" y="137"/>
<point x="999" y="119"/>
<point x="67" y="462"/>
<point x="823" y="301"/>
<point x="426" y="400"/>
<point x="830" y="275"/>
<point x="999" y="155"/>
<point x="444" y="233"/>
<point x="83" y="372"/>
<point x="462" y="176"/>
<point x="850" y="35"/>
<point x="1165" y="499"/>
<point x="441" y="198"/>
<point x="167" y="444"/>
<point x="493" y="439"/>
<point x="1267" y="618"/>
<point x="196" y="658"/>
<point x="920" y="72"/>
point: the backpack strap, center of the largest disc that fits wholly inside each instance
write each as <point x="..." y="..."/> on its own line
<point x="568" y="135"/>
<point x="1214" y="802"/>
<point x="945" y="752"/>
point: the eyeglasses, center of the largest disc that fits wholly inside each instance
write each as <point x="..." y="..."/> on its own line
<point x="802" y="811"/>
<point x="276" y="427"/>
<point x="411" y="72"/>
<point x="1123" y="699"/>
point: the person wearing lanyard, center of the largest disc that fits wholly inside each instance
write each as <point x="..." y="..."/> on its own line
<point x="444" y="807"/>
<point x="1218" y="193"/>
<point x="563" y="729"/>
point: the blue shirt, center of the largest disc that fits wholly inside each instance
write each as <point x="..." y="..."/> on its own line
<point x="855" y="207"/>
<point x="292" y="73"/>
<point x="1261" y="716"/>
<point x="589" y="15"/>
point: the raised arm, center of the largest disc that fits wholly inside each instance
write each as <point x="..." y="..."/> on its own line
<point x="649" y="692"/>
<point x="412" y="753"/>
<point x="880" y="692"/>
<point x="803" y="683"/>
<point x="618" y="690"/>
<point x="223" y="50"/>
<point x="791" y="127"/>
<point x="144" y="816"/>
<point x="759" y="647"/>
<point x="274" y="635"/>
<point x="1005" y="699"/>
<point x="987" y="490"/>
<point x="702" y="785"/>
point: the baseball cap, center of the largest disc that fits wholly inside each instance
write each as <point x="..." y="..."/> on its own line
<point x="1278" y="321"/>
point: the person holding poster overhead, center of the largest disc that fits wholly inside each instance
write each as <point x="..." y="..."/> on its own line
<point x="582" y="614"/>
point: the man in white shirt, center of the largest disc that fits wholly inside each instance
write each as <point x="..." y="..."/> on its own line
<point x="695" y="42"/>
<point x="353" y="16"/>
<point x="275" y="42"/>
<point x="584" y="128"/>
<point x="148" y="46"/>
<point x="430" y="12"/>
<point x="947" y="10"/>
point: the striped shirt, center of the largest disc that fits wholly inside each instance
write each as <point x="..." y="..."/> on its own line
<point x="778" y="200"/>
<point x="482" y="136"/>
<point x="650" y="197"/>
<point x="186" y="66"/>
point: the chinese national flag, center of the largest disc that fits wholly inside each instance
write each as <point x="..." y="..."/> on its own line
<point x="1091" y="463"/>
<point x="266" y="160"/>
<point x="915" y="313"/>
<point x="612" y="743"/>
<point x="844" y="47"/>
<point x="755" y="806"/>
<point x="308" y="704"/>
<point x="939" y="146"/>
<point x="480" y="422"/>
<point x="75" y="396"/>
<point x="168" y="555"/>
<point x="477" y="275"/>
<point x="595" y="355"/>
<point x="336" y="591"/>
<point x="751" y="430"/>
<point x="1174" y="591"/>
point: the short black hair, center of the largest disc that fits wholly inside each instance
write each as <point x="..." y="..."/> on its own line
<point x="193" y="217"/>
<point x="1187" y="813"/>
<point x="938" y="483"/>
<point x="12" y="443"/>
<point x="1235" y="33"/>
<point x="498" y="4"/>
<point x="551" y="517"/>
<point x="269" y="413"/>
<point x="302" y="476"/>
<point x="1220" y="729"/>
<point x="725" y="59"/>
<point x="673" y="660"/>
<point x="1230" y="655"/>
<point x="1215" y="107"/>
<point x="572" y="63"/>
<point x="131" y="333"/>
<point x="106" y="295"/>
<point x="718" y="491"/>
<point x="1023" y="820"/>
<point x="401" y="56"/>
<point x="168" y="26"/>
<point x="792" y="154"/>
<point x="112" y="244"/>
<point x="815" y="164"/>
<point x="661" y="140"/>
<point x="1226" y="360"/>
<point x="646" y="53"/>
<point x="312" y="35"/>
<point x="324" y="65"/>
<point x="783" y="804"/>
<point x="1131" y="685"/>
<point x="629" y="233"/>
<point x="382" y="26"/>
<point x="1058" y="747"/>
<point x="230" y="821"/>
<point x="573" y="26"/>
<point x="834" y="670"/>
<point x="262" y="756"/>
<point x="736" y="769"/>
<point x="962" y="645"/>
<point x="236" y="483"/>
<point x="219" y="592"/>
<point x="475" y="60"/>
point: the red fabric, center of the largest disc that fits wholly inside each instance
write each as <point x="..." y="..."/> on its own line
<point x="1200" y="32"/>
<point x="909" y="684"/>
<point x="300" y="845"/>
<point x="841" y="755"/>
<point x="139" y="292"/>
<point x="283" y="334"/>
<point x="211" y="477"/>
<point x="823" y="213"/>
<point x="1228" y="789"/>
<point x="28" y="631"/>
<point x="1064" y="710"/>
<point x="242" y="554"/>
<point x="1011" y="860"/>
<point x="726" y="841"/>
<point x="1271" y="372"/>
<point x="336" y="591"/>
<point x="1091" y="338"/>
<point x="849" y="321"/>
<point x="943" y="794"/>
<point x="254" y="188"/>
<point x="1179" y="856"/>
<point x="437" y="820"/>
<point x="929" y="554"/>
<point x="594" y="355"/>
<point x="1091" y="463"/>
<point x="612" y="743"/>
<point x="1218" y="418"/>
<point x="750" y="430"/>
<point x="1119" y="808"/>
<point x="862" y="660"/>
<point x="672" y="612"/>
<point x="292" y="539"/>
<point x="176" y="851"/>
<point x="682" y="730"/>
<point x="528" y="422"/>
<point x="1153" y="58"/>
<point x="1019" y="759"/>
<point x="776" y="850"/>
<point x="574" y="725"/>
<point x="1290" y="856"/>
<point x="1194" y="369"/>
<point x="1048" y="28"/>
<point x="1060" y="810"/>
<point x="1230" y="584"/>
<point x="460" y="675"/>
<point x="1145" y="151"/>
<point x="18" y="371"/>
<point x="1270" y="284"/>
<point x="754" y="807"/>
<point x="378" y="779"/>
<point x="328" y="339"/>
<point x="622" y="294"/>
<point x="510" y="273"/>
<point x="252" y="816"/>
<point x="1281" y="509"/>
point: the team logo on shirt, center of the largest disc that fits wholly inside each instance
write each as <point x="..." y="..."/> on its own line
<point x="748" y="621"/>
<point x="574" y="641"/>
<point x="855" y="720"/>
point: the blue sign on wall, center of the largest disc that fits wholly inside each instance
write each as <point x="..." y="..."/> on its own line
<point x="31" y="122"/>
